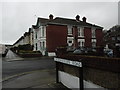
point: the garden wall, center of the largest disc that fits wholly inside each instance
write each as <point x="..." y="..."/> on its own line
<point x="101" y="71"/>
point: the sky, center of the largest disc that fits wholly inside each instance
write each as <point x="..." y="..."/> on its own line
<point x="18" y="17"/>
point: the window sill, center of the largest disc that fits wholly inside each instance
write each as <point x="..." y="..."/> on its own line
<point x="81" y="36"/>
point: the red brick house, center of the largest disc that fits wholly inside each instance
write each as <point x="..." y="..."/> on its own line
<point x="67" y="32"/>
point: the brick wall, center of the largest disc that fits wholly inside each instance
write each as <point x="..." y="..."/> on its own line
<point x="88" y="36"/>
<point x="56" y="36"/>
<point x="99" y="37"/>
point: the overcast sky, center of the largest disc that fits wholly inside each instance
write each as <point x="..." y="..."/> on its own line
<point x="18" y="17"/>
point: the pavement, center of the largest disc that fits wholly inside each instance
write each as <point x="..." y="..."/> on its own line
<point x="35" y="79"/>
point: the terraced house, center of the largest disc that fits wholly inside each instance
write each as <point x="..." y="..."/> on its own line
<point x="57" y="32"/>
<point x="27" y="38"/>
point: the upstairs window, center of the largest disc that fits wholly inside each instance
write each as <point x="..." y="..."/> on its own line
<point x="42" y="31"/>
<point x="80" y="32"/>
<point x="70" y="30"/>
<point x="93" y="33"/>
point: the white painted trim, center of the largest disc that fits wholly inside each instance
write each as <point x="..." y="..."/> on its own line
<point x="69" y="30"/>
<point x="93" y="32"/>
<point x="70" y="39"/>
<point x="80" y="30"/>
<point x="72" y="82"/>
<point x="68" y="80"/>
<point x="51" y="54"/>
<point x="81" y="40"/>
<point x="69" y="62"/>
<point x="93" y="40"/>
<point x="42" y="38"/>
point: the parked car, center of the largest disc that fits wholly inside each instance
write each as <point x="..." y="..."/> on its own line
<point x="80" y="50"/>
<point x="77" y="51"/>
<point x="108" y="52"/>
<point x="85" y="51"/>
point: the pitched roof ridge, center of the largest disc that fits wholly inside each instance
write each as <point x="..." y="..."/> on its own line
<point x="65" y="18"/>
<point x="43" y="18"/>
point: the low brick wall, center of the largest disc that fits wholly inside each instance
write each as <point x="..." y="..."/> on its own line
<point x="103" y="63"/>
<point x="104" y="72"/>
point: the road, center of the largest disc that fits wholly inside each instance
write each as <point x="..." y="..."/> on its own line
<point x="26" y="73"/>
<point x="13" y="64"/>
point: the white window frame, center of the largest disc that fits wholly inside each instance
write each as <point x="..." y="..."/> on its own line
<point x="82" y="42"/>
<point x="93" y="32"/>
<point x="43" y="45"/>
<point x="70" y="32"/>
<point x="93" y="43"/>
<point x="42" y="31"/>
<point x="70" y="39"/>
<point x="80" y="31"/>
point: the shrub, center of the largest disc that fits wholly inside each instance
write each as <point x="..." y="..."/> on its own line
<point x="23" y="51"/>
<point x="25" y="47"/>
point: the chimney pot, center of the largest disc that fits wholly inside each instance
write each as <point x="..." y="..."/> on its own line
<point x="77" y="18"/>
<point x="84" y="19"/>
<point x="50" y="16"/>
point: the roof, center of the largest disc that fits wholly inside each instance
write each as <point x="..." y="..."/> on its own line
<point x="19" y="40"/>
<point x="26" y="34"/>
<point x="42" y="21"/>
<point x="66" y="21"/>
<point x="63" y="21"/>
<point x="35" y="26"/>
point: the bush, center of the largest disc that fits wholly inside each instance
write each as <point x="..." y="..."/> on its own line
<point x="23" y="51"/>
<point x="25" y="47"/>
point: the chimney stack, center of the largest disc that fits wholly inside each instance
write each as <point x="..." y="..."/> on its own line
<point x="77" y="18"/>
<point x="84" y="19"/>
<point x="50" y="16"/>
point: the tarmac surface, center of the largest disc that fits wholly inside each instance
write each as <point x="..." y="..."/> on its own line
<point x="29" y="80"/>
<point x="43" y="79"/>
